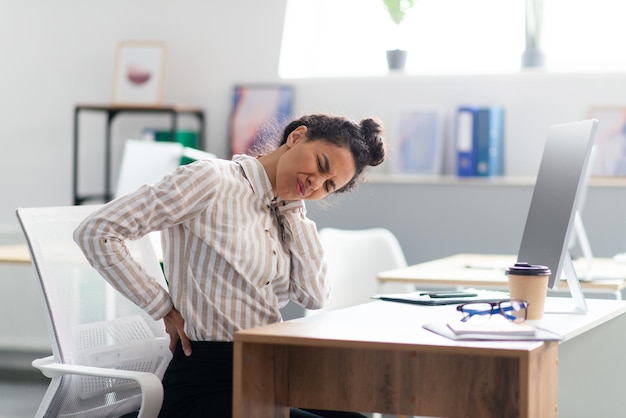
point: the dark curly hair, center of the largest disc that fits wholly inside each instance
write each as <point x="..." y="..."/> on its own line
<point x="364" y="139"/>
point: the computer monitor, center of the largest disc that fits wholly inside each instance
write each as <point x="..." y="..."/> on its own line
<point x="579" y="235"/>
<point x="552" y="212"/>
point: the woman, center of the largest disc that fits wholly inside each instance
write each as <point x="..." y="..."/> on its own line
<point x="237" y="247"/>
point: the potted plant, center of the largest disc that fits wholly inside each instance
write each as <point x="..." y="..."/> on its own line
<point x="533" y="55"/>
<point x="396" y="58"/>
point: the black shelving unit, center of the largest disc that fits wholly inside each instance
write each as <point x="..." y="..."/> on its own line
<point x="112" y="111"/>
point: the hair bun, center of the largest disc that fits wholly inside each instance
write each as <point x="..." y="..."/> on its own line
<point x="372" y="132"/>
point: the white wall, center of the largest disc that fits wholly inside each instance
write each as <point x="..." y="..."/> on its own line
<point x="533" y="101"/>
<point x="57" y="54"/>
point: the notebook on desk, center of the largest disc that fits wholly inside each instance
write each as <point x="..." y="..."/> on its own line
<point x="444" y="330"/>
<point x="586" y="271"/>
<point x="595" y="277"/>
<point x="445" y="297"/>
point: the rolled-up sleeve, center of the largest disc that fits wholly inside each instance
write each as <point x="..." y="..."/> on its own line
<point x="102" y="235"/>
<point x="106" y="251"/>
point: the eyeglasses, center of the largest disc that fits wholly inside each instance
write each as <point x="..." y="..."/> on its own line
<point x="514" y="310"/>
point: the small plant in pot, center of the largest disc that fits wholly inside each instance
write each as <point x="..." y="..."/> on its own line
<point x="533" y="55"/>
<point x="396" y="58"/>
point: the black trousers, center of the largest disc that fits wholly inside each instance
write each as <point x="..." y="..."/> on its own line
<point x="201" y="385"/>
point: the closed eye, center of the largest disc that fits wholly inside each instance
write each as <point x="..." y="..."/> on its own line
<point x="330" y="186"/>
<point x="323" y="165"/>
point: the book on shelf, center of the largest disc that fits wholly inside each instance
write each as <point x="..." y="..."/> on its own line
<point x="465" y="141"/>
<point x="480" y="141"/>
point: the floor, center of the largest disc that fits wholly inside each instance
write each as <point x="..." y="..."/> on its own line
<point x="21" y="386"/>
<point x="20" y="399"/>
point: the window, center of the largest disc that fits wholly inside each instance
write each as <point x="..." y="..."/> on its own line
<point x="584" y="35"/>
<point x="327" y="38"/>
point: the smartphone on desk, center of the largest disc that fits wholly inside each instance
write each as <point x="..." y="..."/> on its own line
<point x="449" y="294"/>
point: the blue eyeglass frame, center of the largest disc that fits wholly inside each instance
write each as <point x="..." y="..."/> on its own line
<point x="496" y="307"/>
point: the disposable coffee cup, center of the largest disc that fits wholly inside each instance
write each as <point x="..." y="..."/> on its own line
<point x="529" y="282"/>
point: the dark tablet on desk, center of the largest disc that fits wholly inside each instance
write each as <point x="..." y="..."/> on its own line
<point x="445" y="297"/>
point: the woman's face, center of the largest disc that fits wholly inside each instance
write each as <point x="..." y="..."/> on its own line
<point x="312" y="169"/>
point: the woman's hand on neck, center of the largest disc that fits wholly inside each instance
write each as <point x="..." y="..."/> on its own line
<point x="270" y="163"/>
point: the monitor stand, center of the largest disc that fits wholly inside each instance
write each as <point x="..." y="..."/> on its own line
<point x="580" y="305"/>
<point x="583" y="241"/>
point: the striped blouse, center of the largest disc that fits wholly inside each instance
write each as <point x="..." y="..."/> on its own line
<point x="233" y="255"/>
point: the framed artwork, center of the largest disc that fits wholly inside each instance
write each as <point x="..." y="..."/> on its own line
<point x="139" y="73"/>
<point x="610" y="155"/>
<point x="416" y="144"/>
<point x="258" y="115"/>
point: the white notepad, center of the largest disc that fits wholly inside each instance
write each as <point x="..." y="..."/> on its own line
<point x="495" y="325"/>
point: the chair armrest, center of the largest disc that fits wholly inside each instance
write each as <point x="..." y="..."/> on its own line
<point x="151" y="386"/>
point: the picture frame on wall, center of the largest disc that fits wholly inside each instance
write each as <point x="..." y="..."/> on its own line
<point x="139" y="73"/>
<point x="610" y="143"/>
<point x="258" y="115"/>
<point x="416" y="143"/>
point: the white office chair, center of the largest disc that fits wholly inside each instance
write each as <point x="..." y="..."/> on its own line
<point x="354" y="259"/>
<point x="108" y="355"/>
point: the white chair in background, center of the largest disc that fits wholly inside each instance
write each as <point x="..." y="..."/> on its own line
<point x="354" y="259"/>
<point x="108" y="355"/>
<point x="146" y="162"/>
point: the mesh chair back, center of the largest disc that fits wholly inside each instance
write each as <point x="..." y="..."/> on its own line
<point x="90" y="323"/>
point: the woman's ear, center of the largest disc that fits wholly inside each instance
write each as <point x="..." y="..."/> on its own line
<point x="297" y="135"/>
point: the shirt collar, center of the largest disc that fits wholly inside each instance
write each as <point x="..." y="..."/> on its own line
<point x="256" y="175"/>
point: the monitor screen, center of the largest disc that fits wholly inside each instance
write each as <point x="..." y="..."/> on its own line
<point x="558" y="188"/>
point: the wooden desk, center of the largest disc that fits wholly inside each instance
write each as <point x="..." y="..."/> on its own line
<point x="377" y="357"/>
<point x="487" y="271"/>
<point x="14" y="254"/>
<point x="18" y="254"/>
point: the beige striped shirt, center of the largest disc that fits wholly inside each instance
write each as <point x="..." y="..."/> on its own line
<point x="232" y="255"/>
